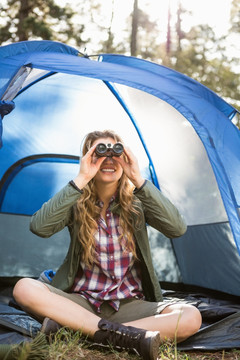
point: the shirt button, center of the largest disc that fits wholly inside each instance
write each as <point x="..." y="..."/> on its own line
<point x="111" y="257"/>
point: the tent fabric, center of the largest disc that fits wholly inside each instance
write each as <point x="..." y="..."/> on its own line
<point x="221" y="335"/>
<point x="186" y="144"/>
<point x="5" y="108"/>
<point x="196" y="108"/>
<point x="19" y="321"/>
<point x="30" y="256"/>
<point x="30" y="205"/>
<point x="174" y="77"/>
<point x="221" y="319"/>
<point x="196" y="103"/>
<point x="24" y="48"/>
<point x="209" y="236"/>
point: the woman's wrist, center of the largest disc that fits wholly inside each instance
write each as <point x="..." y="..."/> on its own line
<point x="138" y="183"/>
<point x="80" y="182"/>
<point x="72" y="183"/>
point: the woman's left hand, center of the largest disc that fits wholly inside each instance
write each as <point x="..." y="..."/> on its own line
<point x="130" y="167"/>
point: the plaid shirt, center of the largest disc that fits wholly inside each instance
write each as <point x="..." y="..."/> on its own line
<point x="115" y="275"/>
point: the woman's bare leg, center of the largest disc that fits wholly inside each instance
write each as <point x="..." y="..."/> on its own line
<point x="176" y="321"/>
<point x="37" y="299"/>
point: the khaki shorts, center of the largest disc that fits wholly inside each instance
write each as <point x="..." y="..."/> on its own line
<point x="129" y="310"/>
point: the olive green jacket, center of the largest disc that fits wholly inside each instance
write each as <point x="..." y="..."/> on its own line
<point x="155" y="210"/>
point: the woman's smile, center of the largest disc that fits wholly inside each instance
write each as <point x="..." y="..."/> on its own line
<point x="108" y="170"/>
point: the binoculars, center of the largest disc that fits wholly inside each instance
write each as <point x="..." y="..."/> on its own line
<point x="109" y="149"/>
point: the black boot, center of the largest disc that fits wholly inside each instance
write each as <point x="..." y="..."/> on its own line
<point x="145" y="343"/>
<point x="50" y="327"/>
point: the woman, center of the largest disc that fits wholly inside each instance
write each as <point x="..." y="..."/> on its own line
<point x="106" y="286"/>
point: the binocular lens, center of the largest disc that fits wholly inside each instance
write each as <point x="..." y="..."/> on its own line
<point x="109" y="149"/>
<point x="101" y="148"/>
<point x="118" y="148"/>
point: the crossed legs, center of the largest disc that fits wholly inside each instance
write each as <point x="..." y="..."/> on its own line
<point x="180" y="320"/>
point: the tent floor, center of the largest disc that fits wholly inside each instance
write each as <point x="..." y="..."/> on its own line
<point x="220" y="313"/>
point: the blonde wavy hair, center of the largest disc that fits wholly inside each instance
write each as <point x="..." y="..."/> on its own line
<point x="86" y="211"/>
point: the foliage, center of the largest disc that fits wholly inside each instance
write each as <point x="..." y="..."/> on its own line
<point x="198" y="53"/>
<point x="38" y="349"/>
<point x="38" y="19"/>
<point x="203" y="58"/>
<point x="235" y="16"/>
<point x="69" y="345"/>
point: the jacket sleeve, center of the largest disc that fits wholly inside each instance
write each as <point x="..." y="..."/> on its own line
<point x="55" y="214"/>
<point x="159" y="212"/>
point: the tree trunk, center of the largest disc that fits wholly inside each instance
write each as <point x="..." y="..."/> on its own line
<point x="179" y="26"/>
<point x="109" y="42"/>
<point x="22" y="32"/>
<point x="134" y="29"/>
<point x="168" y="43"/>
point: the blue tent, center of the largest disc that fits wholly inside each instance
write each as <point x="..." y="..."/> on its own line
<point x="182" y="132"/>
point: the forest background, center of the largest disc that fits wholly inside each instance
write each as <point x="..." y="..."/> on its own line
<point x="211" y="58"/>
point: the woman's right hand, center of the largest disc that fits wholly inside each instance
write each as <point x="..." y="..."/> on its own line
<point x="89" y="166"/>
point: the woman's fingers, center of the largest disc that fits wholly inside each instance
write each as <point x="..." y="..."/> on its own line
<point x="130" y="167"/>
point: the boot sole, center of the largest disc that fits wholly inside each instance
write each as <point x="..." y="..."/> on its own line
<point x="154" y="348"/>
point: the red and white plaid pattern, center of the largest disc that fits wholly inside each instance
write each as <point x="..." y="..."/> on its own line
<point x="115" y="276"/>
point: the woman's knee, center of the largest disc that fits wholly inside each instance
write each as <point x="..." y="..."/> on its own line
<point x="189" y="319"/>
<point x="192" y="320"/>
<point x="26" y="290"/>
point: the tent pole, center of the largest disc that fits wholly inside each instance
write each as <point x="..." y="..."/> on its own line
<point x="125" y="107"/>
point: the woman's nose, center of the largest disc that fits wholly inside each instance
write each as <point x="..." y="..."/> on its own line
<point x="109" y="160"/>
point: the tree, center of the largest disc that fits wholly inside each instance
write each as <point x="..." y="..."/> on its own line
<point x="140" y="38"/>
<point x="105" y="25"/>
<point x="175" y="34"/>
<point x="37" y="19"/>
<point x="180" y="33"/>
<point x="203" y="57"/>
<point x="135" y="20"/>
<point x="235" y="28"/>
<point x="108" y="46"/>
<point x="235" y="16"/>
<point x="143" y="34"/>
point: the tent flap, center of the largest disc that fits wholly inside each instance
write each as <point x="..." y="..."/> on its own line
<point x="5" y="108"/>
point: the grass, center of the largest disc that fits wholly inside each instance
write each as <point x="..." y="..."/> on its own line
<point x="68" y="345"/>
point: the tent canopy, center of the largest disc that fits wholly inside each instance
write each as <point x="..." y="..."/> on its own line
<point x="181" y="131"/>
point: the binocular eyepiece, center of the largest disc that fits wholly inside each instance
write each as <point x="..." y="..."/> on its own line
<point x="109" y="149"/>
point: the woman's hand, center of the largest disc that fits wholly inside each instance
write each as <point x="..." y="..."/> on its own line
<point x="89" y="166"/>
<point x="130" y="167"/>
